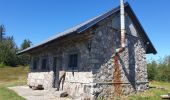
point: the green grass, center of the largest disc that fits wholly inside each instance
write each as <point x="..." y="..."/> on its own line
<point x="152" y="94"/>
<point x="11" y="76"/>
<point x="6" y="94"/>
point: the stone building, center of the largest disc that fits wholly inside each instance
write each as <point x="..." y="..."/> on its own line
<point x="86" y="53"/>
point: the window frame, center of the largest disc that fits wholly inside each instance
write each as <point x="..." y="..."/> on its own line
<point x="35" y="63"/>
<point x="71" y="63"/>
<point x="44" y="66"/>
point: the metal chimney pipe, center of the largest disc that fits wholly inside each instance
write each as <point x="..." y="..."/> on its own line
<point x="122" y="27"/>
<point x="122" y="22"/>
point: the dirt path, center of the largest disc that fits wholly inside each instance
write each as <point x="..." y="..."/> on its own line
<point x="30" y="94"/>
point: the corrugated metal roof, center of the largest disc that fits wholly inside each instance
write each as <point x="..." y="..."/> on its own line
<point x="78" y="28"/>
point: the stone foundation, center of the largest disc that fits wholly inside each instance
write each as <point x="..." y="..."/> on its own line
<point x="78" y="84"/>
<point x="40" y="78"/>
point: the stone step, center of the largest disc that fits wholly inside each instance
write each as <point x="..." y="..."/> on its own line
<point x="165" y="97"/>
<point x="61" y="94"/>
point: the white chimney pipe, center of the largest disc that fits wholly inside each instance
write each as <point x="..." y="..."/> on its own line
<point x="122" y="22"/>
<point x="122" y="27"/>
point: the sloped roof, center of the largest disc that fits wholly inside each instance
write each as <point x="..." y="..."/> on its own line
<point x="89" y="23"/>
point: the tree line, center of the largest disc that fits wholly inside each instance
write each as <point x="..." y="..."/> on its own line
<point x="9" y="49"/>
<point x="159" y="70"/>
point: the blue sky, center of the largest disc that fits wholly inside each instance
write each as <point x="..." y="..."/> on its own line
<point x="38" y="19"/>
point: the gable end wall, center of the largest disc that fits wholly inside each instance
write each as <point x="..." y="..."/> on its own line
<point x="132" y="62"/>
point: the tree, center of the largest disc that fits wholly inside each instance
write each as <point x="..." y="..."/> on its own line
<point x="2" y="32"/>
<point x="8" y="50"/>
<point x="26" y="43"/>
<point x="159" y="70"/>
<point x="24" y="59"/>
<point x="164" y="70"/>
<point x="152" y="72"/>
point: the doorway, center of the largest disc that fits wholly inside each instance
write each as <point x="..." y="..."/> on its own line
<point x="57" y="67"/>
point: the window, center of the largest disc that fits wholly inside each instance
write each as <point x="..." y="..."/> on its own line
<point x="35" y="62"/>
<point x="73" y="61"/>
<point x="44" y="63"/>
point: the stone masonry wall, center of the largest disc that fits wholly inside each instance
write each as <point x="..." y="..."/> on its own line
<point x="41" y="77"/>
<point x="77" y="81"/>
<point x="126" y="74"/>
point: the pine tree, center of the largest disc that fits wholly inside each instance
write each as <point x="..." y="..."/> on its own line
<point x="2" y="32"/>
<point x="25" y="59"/>
<point x="26" y="43"/>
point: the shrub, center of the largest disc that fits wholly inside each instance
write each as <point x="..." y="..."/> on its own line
<point x="152" y="70"/>
<point x="159" y="70"/>
<point x="2" y="65"/>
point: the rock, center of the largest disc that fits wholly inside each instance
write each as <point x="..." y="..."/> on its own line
<point x="64" y="94"/>
<point x="34" y="88"/>
<point x="161" y="88"/>
<point x="39" y="87"/>
<point x="165" y="97"/>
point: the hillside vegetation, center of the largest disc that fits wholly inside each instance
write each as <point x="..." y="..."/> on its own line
<point x="9" y="50"/>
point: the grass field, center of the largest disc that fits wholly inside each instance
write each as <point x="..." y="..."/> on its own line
<point x="154" y="93"/>
<point x="17" y="76"/>
<point x="11" y="77"/>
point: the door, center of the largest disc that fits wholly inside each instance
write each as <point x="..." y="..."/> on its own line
<point x="57" y="67"/>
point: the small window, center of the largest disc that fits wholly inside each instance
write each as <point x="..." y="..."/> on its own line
<point x="44" y="63"/>
<point x="35" y="63"/>
<point x="73" y="61"/>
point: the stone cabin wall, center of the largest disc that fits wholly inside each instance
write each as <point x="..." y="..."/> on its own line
<point x="96" y="74"/>
<point x="76" y="80"/>
<point x="38" y="76"/>
<point x="108" y="80"/>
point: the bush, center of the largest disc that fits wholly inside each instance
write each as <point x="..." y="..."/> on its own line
<point x="159" y="70"/>
<point x="2" y="65"/>
<point x="152" y="71"/>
